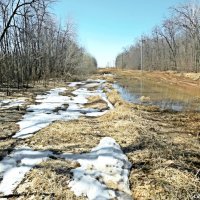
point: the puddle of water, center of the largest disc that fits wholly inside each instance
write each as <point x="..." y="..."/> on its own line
<point x="166" y="96"/>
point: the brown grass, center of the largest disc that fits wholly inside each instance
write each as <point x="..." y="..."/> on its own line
<point x="10" y="116"/>
<point x="162" y="168"/>
<point x="162" y="146"/>
<point x="48" y="180"/>
<point x="96" y="102"/>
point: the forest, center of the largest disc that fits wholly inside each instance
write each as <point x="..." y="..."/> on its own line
<point x="172" y="45"/>
<point x="34" y="46"/>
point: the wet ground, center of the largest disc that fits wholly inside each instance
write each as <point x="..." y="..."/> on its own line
<point x="87" y="99"/>
<point x="163" y="146"/>
<point x="143" y="90"/>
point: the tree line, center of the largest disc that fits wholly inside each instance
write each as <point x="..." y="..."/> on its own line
<point x="34" y="46"/>
<point x="173" y="45"/>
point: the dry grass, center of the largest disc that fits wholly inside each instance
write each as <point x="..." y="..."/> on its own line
<point x="8" y="127"/>
<point x="5" y="147"/>
<point x="165" y="164"/>
<point x="162" y="146"/>
<point x="10" y="116"/>
<point x="96" y="102"/>
<point x="72" y="136"/>
<point x="48" y="180"/>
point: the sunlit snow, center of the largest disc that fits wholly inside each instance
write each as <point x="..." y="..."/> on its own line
<point x="14" y="167"/>
<point x="9" y="103"/>
<point x="50" y="107"/>
<point x="103" y="173"/>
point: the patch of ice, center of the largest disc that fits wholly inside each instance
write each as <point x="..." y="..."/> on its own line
<point x="103" y="173"/>
<point x="14" y="167"/>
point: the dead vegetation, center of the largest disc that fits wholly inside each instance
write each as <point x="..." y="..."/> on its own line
<point x="96" y="102"/>
<point x="8" y="127"/>
<point x="163" y="147"/>
<point x="165" y="158"/>
<point x="48" y="180"/>
<point x="10" y="116"/>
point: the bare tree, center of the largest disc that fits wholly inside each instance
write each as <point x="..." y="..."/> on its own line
<point x="169" y="34"/>
<point x="174" y="45"/>
<point x="33" y="47"/>
<point x="188" y="18"/>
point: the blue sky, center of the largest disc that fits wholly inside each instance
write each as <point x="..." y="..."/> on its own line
<point x="105" y="27"/>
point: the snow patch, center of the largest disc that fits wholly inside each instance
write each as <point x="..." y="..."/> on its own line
<point x="103" y="173"/>
<point x="74" y="84"/>
<point x="14" y="167"/>
<point x="109" y="75"/>
<point x="96" y="114"/>
<point x="44" y="112"/>
<point x="9" y="103"/>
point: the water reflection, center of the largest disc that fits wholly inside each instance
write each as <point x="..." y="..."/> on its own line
<point x="166" y="96"/>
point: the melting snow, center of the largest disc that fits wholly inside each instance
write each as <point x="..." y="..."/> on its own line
<point x="44" y="113"/>
<point x="109" y="75"/>
<point x="9" y="103"/>
<point x="103" y="173"/>
<point x="14" y="167"/>
<point x="74" y="84"/>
